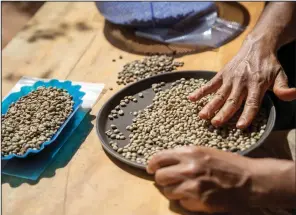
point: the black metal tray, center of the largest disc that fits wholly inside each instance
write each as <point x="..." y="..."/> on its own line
<point x="144" y="86"/>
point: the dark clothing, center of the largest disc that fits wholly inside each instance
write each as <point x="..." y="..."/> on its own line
<point x="286" y="111"/>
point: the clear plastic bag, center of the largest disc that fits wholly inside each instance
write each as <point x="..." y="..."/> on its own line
<point x="206" y="31"/>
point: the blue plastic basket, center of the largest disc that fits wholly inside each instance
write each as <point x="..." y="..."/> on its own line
<point x="151" y="14"/>
<point x="73" y="90"/>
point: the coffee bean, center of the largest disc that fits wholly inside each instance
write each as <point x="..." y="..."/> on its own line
<point x="26" y="119"/>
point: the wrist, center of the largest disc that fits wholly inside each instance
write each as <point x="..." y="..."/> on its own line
<point x="273" y="183"/>
<point x="263" y="40"/>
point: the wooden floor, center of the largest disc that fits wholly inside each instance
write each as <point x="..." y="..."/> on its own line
<point x="65" y="40"/>
<point x="15" y="15"/>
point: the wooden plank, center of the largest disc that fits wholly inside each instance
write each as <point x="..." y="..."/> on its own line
<point x="51" y="44"/>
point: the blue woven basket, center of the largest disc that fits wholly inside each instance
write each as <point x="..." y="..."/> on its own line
<point x="73" y="90"/>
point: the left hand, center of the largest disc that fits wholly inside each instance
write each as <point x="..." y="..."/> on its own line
<point x="247" y="77"/>
<point x="203" y="179"/>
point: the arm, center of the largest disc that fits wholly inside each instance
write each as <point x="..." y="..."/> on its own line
<point x="277" y="181"/>
<point x="277" y="24"/>
<point x="253" y="71"/>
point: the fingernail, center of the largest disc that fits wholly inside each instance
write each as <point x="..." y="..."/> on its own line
<point x="203" y="114"/>
<point x="216" y="121"/>
<point x="241" y="123"/>
<point x="191" y="96"/>
<point x="148" y="170"/>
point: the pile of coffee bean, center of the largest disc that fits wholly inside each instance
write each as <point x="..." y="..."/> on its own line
<point x="149" y="66"/>
<point x="34" y="119"/>
<point x="172" y="121"/>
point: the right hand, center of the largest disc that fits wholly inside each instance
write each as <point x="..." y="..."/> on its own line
<point x="210" y="180"/>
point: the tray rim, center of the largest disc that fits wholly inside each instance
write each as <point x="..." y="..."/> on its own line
<point x="272" y="116"/>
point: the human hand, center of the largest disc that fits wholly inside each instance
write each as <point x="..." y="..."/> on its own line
<point x="253" y="71"/>
<point x="209" y="180"/>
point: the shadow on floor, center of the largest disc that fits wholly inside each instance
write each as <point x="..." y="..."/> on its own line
<point x="55" y="33"/>
<point x="15" y="15"/>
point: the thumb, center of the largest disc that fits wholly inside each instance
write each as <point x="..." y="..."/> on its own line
<point x="281" y="88"/>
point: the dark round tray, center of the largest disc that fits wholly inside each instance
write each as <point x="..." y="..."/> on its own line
<point x="144" y="86"/>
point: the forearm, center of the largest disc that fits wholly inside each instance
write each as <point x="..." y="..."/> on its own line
<point x="277" y="178"/>
<point x="277" y="24"/>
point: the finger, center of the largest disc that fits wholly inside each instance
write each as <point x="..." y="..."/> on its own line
<point x="231" y="105"/>
<point x="187" y="189"/>
<point x="173" y="192"/>
<point x="169" y="175"/>
<point x="162" y="159"/>
<point x="208" y="88"/>
<point x="216" y="103"/>
<point x="281" y="88"/>
<point x="251" y="108"/>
